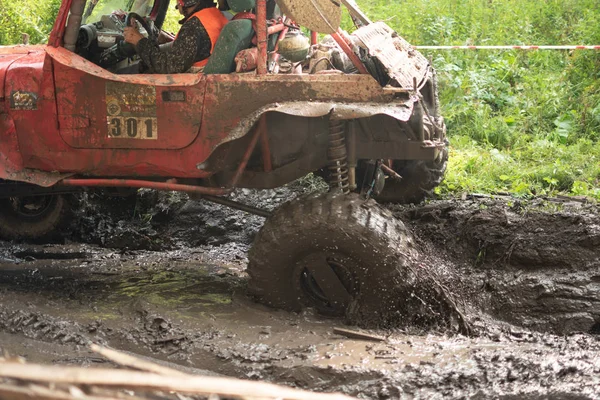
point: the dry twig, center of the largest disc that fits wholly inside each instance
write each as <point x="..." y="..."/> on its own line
<point x="134" y="380"/>
<point x="127" y="360"/>
<point x="358" y="335"/>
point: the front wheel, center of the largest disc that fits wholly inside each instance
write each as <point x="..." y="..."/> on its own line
<point x="419" y="179"/>
<point x="35" y="217"/>
<point x="338" y="254"/>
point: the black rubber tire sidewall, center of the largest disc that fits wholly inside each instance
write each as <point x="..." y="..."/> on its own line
<point x="380" y="246"/>
<point x="44" y="226"/>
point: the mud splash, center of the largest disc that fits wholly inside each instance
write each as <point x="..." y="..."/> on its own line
<point x="533" y="265"/>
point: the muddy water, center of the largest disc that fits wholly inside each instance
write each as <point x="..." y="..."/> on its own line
<point x="535" y="309"/>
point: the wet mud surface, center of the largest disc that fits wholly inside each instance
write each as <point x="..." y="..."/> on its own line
<point x="164" y="277"/>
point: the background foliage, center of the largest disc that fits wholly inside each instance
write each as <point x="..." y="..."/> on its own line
<point x="525" y="122"/>
<point x="34" y="17"/>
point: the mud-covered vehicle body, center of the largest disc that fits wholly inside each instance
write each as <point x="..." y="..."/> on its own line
<point x="359" y="109"/>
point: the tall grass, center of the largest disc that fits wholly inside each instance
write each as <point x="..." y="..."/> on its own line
<point x="523" y="122"/>
<point x="26" y="16"/>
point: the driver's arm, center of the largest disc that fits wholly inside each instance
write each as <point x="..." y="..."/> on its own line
<point x="191" y="41"/>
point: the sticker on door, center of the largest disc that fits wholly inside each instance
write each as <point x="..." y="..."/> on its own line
<point x="131" y="111"/>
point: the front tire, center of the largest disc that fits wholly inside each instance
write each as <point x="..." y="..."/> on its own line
<point x="419" y="180"/>
<point x="33" y="218"/>
<point x="337" y="254"/>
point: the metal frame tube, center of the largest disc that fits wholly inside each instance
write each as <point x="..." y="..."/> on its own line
<point x="58" y="30"/>
<point x="170" y="184"/>
<point x="390" y="172"/>
<point x="134" y="183"/>
<point x="314" y="38"/>
<point x="342" y="41"/>
<point x="264" y="143"/>
<point x="238" y="206"/>
<point x="355" y="12"/>
<point x="73" y="23"/>
<point x="262" y="36"/>
<point x="276" y="29"/>
<point x="247" y="155"/>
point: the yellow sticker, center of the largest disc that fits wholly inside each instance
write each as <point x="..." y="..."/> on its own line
<point x="131" y="111"/>
<point x="132" y="128"/>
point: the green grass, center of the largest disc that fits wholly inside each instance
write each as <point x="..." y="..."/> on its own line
<point x="527" y="123"/>
<point x="26" y="16"/>
<point x="541" y="167"/>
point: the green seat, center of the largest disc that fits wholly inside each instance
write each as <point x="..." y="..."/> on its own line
<point x="241" y="5"/>
<point x="236" y="36"/>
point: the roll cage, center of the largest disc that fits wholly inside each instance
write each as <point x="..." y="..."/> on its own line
<point x="70" y="16"/>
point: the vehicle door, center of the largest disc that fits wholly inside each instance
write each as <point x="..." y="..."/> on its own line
<point x="100" y="109"/>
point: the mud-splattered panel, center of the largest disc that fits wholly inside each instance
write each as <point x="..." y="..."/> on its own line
<point x="399" y="59"/>
<point x="99" y="113"/>
<point x="318" y="15"/>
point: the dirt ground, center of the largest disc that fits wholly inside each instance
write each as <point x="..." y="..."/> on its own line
<point x="163" y="277"/>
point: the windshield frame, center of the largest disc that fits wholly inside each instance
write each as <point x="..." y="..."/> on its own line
<point x="157" y="14"/>
<point x="107" y="7"/>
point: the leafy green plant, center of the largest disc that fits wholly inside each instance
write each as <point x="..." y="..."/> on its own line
<point x="522" y="122"/>
<point x="32" y="17"/>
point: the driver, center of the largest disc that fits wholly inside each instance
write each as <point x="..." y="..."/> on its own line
<point x="201" y="25"/>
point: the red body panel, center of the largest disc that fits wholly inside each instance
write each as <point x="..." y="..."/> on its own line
<point x="30" y="102"/>
<point x="83" y="100"/>
<point x="62" y="114"/>
<point x="68" y="131"/>
<point x="5" y="61"/>
<point x="8" y="55"/>
<point x="10" y="157"/>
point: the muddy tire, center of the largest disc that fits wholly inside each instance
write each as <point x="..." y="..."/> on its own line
<point x="337" y="254"/>
<point x="32" y="218"/>
<point x="419" y="179"/>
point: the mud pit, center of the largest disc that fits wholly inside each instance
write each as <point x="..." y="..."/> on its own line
<point x="529" y="285"/>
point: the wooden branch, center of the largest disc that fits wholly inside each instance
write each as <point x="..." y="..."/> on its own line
<point x="14" y="392"/>
<point x="358" y="335"/>
<point x="114" y="394"/>
<point x="130" y="361"/>
<point x="134" y="380"/>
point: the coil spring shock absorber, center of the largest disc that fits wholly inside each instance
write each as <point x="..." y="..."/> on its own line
<point x="338" y="159"/>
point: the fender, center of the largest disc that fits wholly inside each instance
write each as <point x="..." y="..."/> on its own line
<point x="400" y="110"/>
<point x="10" y="157"/>
<point x="29" y="113"/>
<point x="8" y="55"/>
<point x="11" y="162"/>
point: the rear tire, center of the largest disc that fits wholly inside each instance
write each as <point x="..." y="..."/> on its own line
<point x="33" y="218"/>
<point x="369" y="252"/>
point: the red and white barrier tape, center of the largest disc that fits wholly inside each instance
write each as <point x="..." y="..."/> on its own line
<point x="596" y="47"/>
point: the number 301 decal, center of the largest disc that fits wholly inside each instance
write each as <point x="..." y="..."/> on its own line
<point x="132" y="128"/>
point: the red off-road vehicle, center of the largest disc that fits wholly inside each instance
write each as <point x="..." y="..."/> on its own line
<point x="358" y="109"/>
